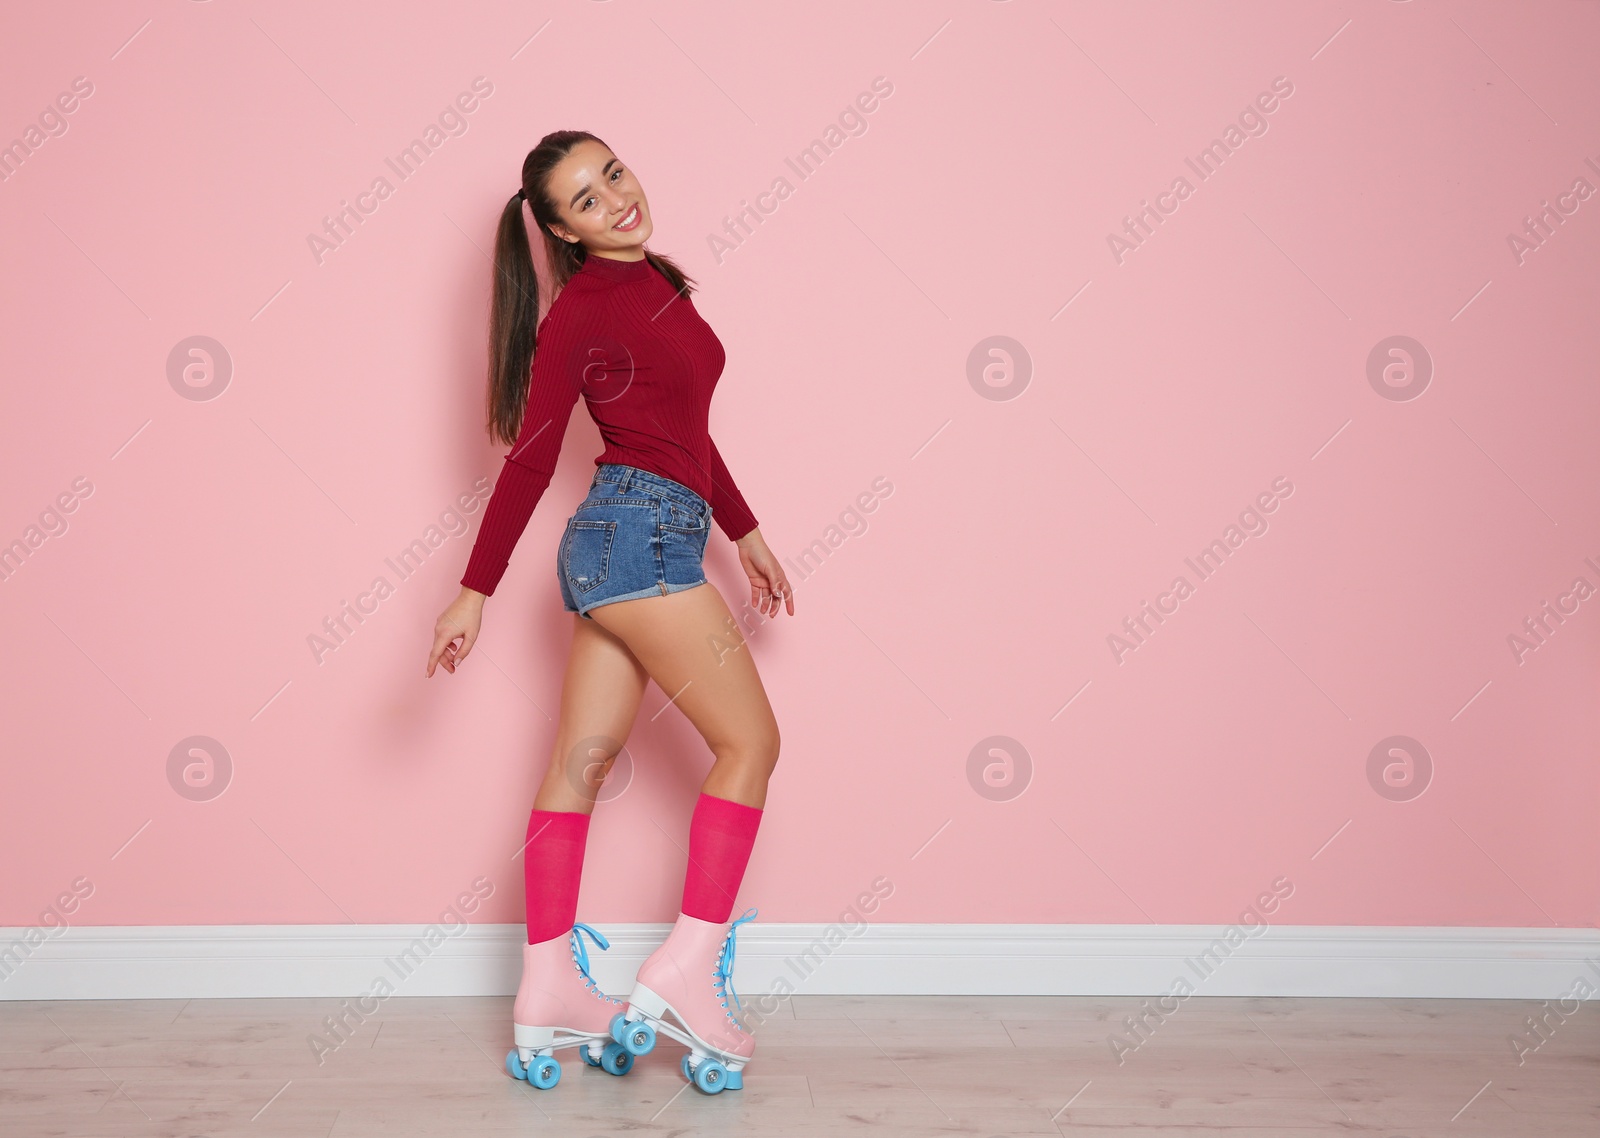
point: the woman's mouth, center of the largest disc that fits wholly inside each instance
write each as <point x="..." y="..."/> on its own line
<point x="630" y="220"/>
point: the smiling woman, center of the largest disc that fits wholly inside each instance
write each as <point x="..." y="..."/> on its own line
<point x="624" y="333"/>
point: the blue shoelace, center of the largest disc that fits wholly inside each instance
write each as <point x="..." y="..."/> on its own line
<point x="724" y="972"/>
<point x="580" y="953"/>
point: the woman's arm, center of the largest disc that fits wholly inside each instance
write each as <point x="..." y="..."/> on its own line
<point x="728" y="506"/>
<point x="770" y="591"/>
<point x="553" y="388"/>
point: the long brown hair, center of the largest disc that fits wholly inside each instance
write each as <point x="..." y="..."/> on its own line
<point x="514" y="308"/>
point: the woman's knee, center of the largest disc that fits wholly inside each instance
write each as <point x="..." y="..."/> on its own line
<point x="756" y="751"/>
<point x="581" y="768"/>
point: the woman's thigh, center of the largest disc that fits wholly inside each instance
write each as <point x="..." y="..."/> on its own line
<point x="600" y="695"/>
<point x="690" y="644"/>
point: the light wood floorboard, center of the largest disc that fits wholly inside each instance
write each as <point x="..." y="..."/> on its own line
<point x="825" y="1065"/>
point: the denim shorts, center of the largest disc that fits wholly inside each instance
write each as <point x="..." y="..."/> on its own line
<point x="637" y="534"/>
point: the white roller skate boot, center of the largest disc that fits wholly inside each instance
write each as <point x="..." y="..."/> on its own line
<point x="559" y="1005"/>
<point x="682" y="992"/>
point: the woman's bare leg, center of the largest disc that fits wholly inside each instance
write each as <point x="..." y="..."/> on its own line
<point x="690" y="645"/>
<point x="600" y="697"/>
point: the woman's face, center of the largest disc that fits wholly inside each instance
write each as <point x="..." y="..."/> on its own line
<point x="594" y="193"/>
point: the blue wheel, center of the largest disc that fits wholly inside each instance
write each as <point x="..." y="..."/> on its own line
<point x="544" y="1073"/>
<point x="514" y="1066"/>
<point x="710" y="1076"/>
<point x="588" y="1058"/>
<point x="688" y="1071"/>
<point x="619" y="1025"/>
<point x="616" y="1059"/>
<point x="638" y="1037"/>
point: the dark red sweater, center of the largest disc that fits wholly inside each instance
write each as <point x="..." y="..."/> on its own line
<point x="646" y="364"/>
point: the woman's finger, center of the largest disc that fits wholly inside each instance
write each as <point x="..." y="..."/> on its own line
<point x="439" y="644"/>
<point x="444" y="650"/>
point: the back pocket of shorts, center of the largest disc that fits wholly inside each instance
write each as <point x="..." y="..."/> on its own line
<point x="588" y="558"/>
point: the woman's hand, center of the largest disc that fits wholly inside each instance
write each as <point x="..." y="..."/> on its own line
<point x="460" y="621"/>
<point x="768" y="586"/>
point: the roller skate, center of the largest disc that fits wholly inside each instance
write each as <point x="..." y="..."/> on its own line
<point x="559" y="1005"/>
<point x="682" y="992"/>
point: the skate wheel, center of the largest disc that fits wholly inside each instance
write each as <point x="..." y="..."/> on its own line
<point x="616" y="1059"/>
<point x="544" y="1073"/>
<point x="589" y="1056"/>
<point x="514" y="1066"/>
<point x="637" y="1037"/>
<point x="710" y="1076"/>
<point x="687" y="1067"/>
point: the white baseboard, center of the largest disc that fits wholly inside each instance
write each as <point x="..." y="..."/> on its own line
<point x="165" y="962"/>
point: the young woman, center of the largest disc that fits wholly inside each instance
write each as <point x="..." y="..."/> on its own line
<point x="623" y="333"/>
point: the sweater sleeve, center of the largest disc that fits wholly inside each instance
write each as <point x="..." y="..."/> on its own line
<point x="553" y="388"/>
<point x="728" y="506"/>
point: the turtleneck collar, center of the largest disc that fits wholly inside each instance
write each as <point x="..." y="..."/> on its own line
<point x="612" y="269"/>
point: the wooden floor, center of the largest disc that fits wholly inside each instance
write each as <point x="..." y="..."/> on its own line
<point x="825" y="1065"/>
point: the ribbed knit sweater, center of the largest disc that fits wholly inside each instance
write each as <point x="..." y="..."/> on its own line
<point x="646" y="364"/>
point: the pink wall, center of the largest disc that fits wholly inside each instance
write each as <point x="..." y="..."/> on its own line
<point x="1171" y="385"/>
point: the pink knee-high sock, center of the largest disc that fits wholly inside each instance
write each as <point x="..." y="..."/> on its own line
<point x="720" y="836"/>
<point x="552" y="862"/>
